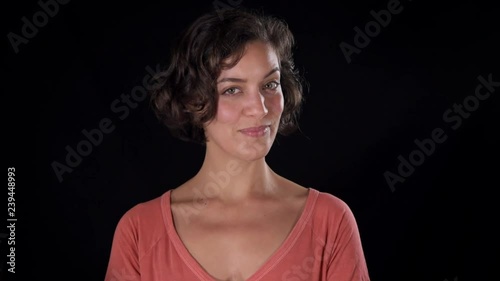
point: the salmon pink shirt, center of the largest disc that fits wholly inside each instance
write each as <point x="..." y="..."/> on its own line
<point x="324" y="244"/>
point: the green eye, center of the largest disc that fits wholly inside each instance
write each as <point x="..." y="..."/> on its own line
<point x="230" y="91"/>
<point x="272" y="85"/>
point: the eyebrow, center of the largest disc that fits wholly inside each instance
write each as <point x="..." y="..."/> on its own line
<point x="230" y="79"/>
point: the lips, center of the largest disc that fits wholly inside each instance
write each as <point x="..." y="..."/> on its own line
<point x="256" y="131"/>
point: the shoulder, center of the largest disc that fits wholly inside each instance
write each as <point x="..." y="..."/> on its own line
<point x="336" y="229"/>
<point x="143" y="216"/>
<point x="331" y="203"/>
<point x="144" y="209"/>
<point x="141" y="227"/>
<point x="331" y="211"/>
<point x="138" y="231"/>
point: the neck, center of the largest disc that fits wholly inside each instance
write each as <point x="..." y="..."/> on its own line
<point x="230" y="179"/>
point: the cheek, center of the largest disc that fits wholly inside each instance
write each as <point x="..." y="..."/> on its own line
<point x="227" y="112"/>
<point x="276" y="104"/>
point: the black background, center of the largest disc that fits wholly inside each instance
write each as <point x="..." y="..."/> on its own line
<point x="357" y="119"/>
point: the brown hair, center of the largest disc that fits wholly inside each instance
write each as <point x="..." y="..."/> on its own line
<point x="184" y="97"/>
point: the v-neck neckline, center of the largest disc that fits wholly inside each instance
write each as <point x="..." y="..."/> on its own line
<point x="271" y="261"/>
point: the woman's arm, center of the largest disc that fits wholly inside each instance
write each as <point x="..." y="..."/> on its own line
<point x="347" y="260"/>
<point x="123" y="263"/>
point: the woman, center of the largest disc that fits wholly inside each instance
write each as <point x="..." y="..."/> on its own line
<point x="232" y="87"/>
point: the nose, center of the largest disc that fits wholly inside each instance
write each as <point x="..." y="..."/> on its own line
<point x="255" y="104"/>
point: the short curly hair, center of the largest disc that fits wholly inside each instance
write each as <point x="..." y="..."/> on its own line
<point x="184" y="97"/>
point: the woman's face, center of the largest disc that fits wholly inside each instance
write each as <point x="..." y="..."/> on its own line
<point x="250" y="105"/>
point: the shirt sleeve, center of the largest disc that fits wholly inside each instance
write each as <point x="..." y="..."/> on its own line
<point x="347" y="260"/>
<point x="123" y="264"/>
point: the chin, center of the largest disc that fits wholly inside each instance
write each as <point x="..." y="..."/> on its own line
<point x="252" y="158"/>
<point x="253" y="151"/>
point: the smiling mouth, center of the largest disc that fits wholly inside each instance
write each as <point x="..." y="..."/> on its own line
<point x="256" y="131"/>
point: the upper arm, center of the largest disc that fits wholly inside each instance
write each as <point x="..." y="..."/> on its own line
<point x="123" y="264"/>
<point x="347" y="261"/>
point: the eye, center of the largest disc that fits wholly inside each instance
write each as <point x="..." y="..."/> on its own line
<point x="273" y="85"/>
<point x="231" y="91"/>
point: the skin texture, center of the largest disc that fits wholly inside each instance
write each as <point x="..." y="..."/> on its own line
<point x="248" y="210"/>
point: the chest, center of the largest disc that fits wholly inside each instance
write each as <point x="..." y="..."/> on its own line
<point x="233" y="246"/>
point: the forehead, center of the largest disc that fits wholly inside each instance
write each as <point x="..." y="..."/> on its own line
<point x="257" y="56"/>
